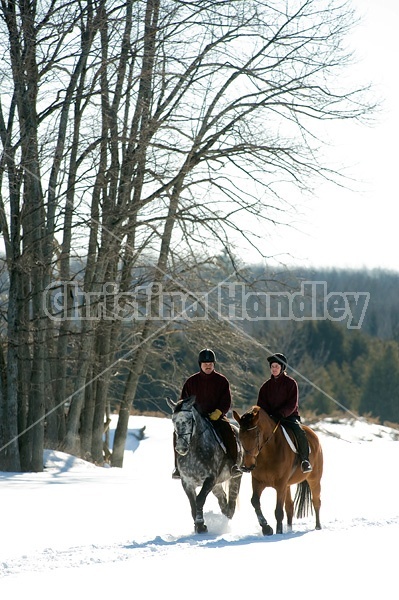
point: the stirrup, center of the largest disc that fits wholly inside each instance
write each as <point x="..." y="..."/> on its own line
<point x="306" y="466"/>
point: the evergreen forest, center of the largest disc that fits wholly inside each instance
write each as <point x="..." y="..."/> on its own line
<point x="340" y="369"/>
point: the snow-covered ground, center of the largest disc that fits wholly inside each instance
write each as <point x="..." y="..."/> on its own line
<point x="77" y="531"/>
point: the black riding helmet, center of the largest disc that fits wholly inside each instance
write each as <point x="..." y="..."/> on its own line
<point x="279" y="359"/>
<point x="206" y="355"/>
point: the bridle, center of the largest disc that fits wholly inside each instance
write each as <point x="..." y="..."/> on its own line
<point x="257" y="444"/>
<point x="189" y="432"/>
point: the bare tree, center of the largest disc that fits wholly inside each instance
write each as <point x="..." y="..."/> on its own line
<point x="136" y="137"/>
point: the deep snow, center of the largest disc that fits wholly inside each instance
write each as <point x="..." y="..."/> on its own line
<point x="85" y="531"/>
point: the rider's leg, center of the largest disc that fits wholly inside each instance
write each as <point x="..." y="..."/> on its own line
<point x="303" y="446"/>
<point x="226" y="432"/>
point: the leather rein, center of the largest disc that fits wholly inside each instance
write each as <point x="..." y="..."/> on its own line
<point x="257" y="438"/>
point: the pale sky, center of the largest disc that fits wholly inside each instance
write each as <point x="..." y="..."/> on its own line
<point x="357" y="229"/>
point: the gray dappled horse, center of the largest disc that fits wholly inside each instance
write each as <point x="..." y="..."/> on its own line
<point x="202" y="462"/>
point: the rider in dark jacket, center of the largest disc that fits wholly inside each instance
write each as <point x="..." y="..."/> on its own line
<point x="212" y="398"/>
<point x="278" y="396"/>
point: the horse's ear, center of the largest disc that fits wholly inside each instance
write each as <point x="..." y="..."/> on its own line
<point x="236" y="416"/>
<point x="170" y="403"/>
<point x="255" y="413"/>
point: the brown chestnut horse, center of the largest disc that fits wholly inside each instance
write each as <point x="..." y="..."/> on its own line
<point x="272" y="463"/>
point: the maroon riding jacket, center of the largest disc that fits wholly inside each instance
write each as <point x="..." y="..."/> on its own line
<point x="278" y="396"/>
<point x="211" y="391"/>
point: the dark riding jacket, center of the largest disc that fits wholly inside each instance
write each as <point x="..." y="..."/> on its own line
<point x="278" y="396"/>
<point x="211" y="391"/>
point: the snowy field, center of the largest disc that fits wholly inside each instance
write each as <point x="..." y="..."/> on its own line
<point x="80" y="531"/>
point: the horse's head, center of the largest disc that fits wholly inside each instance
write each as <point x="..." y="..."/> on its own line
<point x="249" y="437"/>
<point x="183" y="423"/>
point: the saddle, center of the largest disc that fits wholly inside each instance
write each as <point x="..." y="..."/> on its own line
<point x="218" y="437"/>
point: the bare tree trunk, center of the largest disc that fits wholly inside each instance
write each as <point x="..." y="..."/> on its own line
<point x="129" y="393"/>
<point x="102" y="379"/>
<point x="71" y="443"/>
<point x="9" y="454"/>
<point x="86" y="428"/>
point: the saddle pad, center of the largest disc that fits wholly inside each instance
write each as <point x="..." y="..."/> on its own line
<point x="289" y="440"/>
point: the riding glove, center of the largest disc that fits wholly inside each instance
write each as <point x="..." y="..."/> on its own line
<point x="215" y="414"/>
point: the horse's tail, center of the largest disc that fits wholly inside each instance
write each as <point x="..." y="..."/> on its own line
<point x="303" y="500"/>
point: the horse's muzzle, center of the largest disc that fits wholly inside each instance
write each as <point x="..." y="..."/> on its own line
<point x="182" y="450"/>
<point x="245" y="469"/>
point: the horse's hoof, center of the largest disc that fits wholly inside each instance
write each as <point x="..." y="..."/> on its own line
<point x="229" y="512"/>
<point x="267" y="530"/>
<point x="201" y="528"/>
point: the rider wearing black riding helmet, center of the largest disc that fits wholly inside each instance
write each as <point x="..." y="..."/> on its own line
<point x="278" y="396"/>
<point x="212" y="398"/>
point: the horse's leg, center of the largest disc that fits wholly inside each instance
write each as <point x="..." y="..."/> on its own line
<point x="257" y="489"/>
<point x="279" y="511"/>
<point x="234" y="485"/>
<point x="228" y="502"/>
<point x="191" y="495"/>
<point x="289" y="507"/>
<point x="315" y="488"/>
<point x="199" y="522"/>
<point x="314" y="478"/>
<point x="222" y="498"/>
